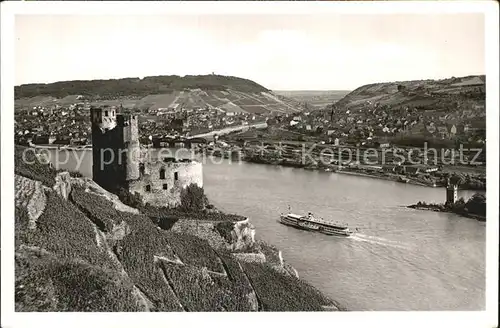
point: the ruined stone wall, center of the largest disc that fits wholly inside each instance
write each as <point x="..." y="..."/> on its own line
<point x="165" y="190"/>
<point x="130" y="128"/>
<point x="118" y="162"/>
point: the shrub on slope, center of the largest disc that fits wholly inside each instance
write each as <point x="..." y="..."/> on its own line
<point x="236" y="286"/>
<point x="21" y="225"/>
<point x="477" y="205"/>
<point x="26" y="164"/>
<point x="49" y="284"/>
<point x="137" y="253"/>
<point x="200" y="291"/>
<point x="225" y="229"/>
<point x="193" y="251"/>
<point x="102" y="212"/>
<point x="195" y="288"/>
<point x="278" y="292"/>
<point x="99" y="210"/>
<point x="270" y="251"/>
<point x="64" y="231"/>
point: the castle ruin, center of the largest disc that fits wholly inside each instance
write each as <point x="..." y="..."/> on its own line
<point x="451" y="192"/>
<point x="119" y="162"/>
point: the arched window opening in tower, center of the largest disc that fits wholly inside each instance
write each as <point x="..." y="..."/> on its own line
<point x="141" y="168"/>
<point x="148" y="188"/>
<point x="176" y="176"/>
<point x="162" y="173"/>
<point x="106" y="113"/>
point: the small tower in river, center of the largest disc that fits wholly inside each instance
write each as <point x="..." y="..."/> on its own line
<point x="451" y="192"/>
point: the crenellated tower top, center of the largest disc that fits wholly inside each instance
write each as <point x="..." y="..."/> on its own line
<point x="104" y="118"/>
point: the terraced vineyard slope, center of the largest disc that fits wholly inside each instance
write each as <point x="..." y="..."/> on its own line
<point x="228" y="93"/>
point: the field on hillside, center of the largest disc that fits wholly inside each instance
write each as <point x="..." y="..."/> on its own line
<point x="171" y="92"/>
<point x="315" y="98"/>
<point x="425" y="94"/>
<point x="228" y="100"/>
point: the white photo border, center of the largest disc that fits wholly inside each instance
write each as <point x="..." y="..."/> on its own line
<point x="10" y="318"/>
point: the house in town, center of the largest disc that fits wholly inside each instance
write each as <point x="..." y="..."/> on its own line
<point x="416" y="169"/>
<point x="453" y="130"/>
<point x="443" y="132"/>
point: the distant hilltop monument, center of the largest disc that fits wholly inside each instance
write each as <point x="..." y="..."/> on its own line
<point x="118" y="162"/>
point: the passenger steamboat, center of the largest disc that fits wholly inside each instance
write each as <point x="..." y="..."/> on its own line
<point x="309" y="222"/>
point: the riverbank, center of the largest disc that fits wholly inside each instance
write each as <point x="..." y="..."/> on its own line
<point x="437" y="208"/>
<point x="425" y="180"/>
<point x="474" y="208"/>
<point x="472" y="182"/>
<point x="395" y="178"/>
<point x="62" y="147"/>
<point x="346" y="171"/>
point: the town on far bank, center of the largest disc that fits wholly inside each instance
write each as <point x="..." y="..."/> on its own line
<point x="419" y="132"/>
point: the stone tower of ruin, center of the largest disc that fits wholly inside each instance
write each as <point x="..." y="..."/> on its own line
<point x="115" y="148"/>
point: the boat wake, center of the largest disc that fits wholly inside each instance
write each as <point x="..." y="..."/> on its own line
<point x="379" y="241"/>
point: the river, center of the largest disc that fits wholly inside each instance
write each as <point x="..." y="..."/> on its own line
<point x="402" y="259"/>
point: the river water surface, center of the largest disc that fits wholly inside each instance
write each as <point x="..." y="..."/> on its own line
<point x="402" y="259"/>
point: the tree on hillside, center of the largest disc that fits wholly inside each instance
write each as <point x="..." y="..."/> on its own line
<point x="193" y="199"/>
<point x="456" y="179"/>
<point x="476" y="205"/>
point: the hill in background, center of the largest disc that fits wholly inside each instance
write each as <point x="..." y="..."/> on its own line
<point x="440" y="112"/>
<point x="443" y="94"/>
<point x="138" y="87"/>
<point x="315" y="98"/>
<point x="229" y="93"/>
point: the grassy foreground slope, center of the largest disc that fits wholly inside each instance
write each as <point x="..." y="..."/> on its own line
<point x="75" y="251"/>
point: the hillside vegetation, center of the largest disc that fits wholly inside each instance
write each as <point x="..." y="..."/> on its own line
<point x="421" y="94"/>
<point x="137" y="87"/>
<point x="78" y="248"/>
<point x="474" y="207"/>
<point x="314" y="99"/>
<point x="229" y="93"/>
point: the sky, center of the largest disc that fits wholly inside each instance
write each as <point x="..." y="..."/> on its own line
<point x="280" y="52"/>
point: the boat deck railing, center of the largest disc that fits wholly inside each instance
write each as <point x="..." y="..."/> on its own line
<point x="319" y="220"/>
